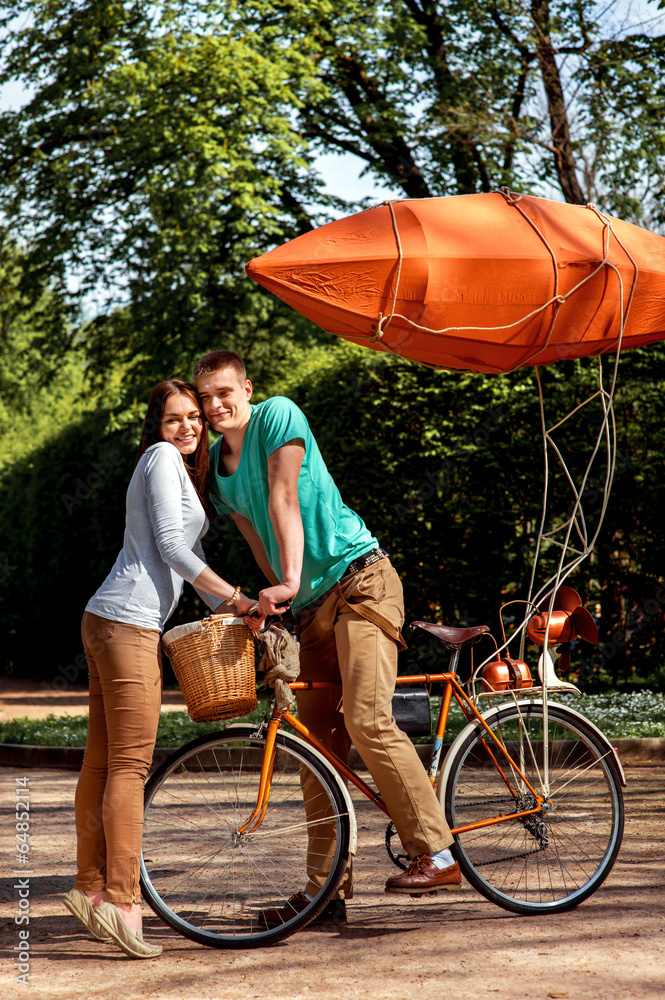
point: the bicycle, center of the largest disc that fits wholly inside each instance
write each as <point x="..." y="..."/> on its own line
<point x="531" y="790"/>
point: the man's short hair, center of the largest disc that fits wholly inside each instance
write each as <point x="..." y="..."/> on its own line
<point x="214" y="361"/>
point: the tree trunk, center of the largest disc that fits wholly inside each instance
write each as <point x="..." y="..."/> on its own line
<point x="470" y="173"/>
<point x="391" y="150"/>
<point x="563" y="153"/>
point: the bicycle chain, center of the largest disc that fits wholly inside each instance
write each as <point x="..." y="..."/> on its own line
<point x="485" y="802"/>
<point x="511" y="857"/>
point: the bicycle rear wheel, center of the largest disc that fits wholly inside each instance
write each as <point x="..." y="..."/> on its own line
<point x="223" y="888"/>
<point x="552" y="860"/>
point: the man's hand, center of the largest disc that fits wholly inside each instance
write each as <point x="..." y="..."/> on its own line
<point x="272" y="601"/>
<point x="276" y="600"/>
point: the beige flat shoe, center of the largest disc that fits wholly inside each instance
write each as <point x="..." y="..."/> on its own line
<point x="132" y="944"/>
<point x="79" y="904"/>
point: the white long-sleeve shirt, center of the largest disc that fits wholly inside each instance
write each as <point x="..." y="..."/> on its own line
<point x="165" y="523"/>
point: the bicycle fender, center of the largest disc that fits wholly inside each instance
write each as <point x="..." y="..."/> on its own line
<point x="353" y="825"/>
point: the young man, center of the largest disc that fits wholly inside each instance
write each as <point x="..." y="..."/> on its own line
<point x="267" y="471"/>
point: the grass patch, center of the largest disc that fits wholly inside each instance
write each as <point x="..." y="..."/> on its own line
<point x="640" y="714"/>
<point x="175" y="728"/>
<point x="618" y="715"/>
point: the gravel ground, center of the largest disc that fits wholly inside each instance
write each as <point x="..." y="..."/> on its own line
<point x="455" y="945"/>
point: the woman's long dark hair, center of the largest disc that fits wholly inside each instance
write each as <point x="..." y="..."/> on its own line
<point x="196" y="463"/>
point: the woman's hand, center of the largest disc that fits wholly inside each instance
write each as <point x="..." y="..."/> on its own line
<point x="255" y="621"/>
<point x="243" y="604"/>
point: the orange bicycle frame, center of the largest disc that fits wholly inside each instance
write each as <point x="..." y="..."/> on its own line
<point x="451" y="688"/>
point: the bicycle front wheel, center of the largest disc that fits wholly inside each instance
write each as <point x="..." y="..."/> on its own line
<point x="551" y="860"/>
<point x="229" y="889"/>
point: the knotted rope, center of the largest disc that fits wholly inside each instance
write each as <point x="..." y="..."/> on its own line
<point x="556" y="301"/>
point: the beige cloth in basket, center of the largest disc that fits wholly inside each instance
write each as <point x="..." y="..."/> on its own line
<point x="179" y="631"/>
<point x="280" y="662"/>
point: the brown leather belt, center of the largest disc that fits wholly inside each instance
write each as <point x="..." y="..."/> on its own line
<point x="361" y="608"/>
<point x="362" y="562"/>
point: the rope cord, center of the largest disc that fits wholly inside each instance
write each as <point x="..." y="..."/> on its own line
<point x="570" y="556"/>
<point x="385" y="320"/>
<point x="572" y="552"/>
<point x="557" y="300"/>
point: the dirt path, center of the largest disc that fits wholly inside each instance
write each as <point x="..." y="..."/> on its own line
<point x="450" y="947"/>
<point x="37" y="699"/>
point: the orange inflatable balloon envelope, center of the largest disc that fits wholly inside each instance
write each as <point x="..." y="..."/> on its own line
<point x="487" y="282"/>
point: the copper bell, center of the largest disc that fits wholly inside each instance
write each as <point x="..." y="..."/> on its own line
<point x="506" y="674"/>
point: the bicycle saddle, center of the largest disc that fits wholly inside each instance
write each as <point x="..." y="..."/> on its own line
<point x="452" y="636"/>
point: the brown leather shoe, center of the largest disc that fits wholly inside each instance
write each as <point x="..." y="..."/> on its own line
<point x="422" y="876"/>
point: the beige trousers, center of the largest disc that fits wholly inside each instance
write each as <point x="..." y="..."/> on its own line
<point x="339" y="644"/>
<point x="124" y="663"/>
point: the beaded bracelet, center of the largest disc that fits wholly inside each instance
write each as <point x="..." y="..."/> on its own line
<point x="234" y="596"/>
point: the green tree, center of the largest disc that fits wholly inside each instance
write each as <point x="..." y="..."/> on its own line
<point x="166" y="143"/>
<point x="457" y="97"/>
<point x="35" y="336"/>
<point x="158" y="156"/>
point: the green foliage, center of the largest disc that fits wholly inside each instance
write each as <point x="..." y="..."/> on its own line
<point x="166" y="143"/>
<point x="61" y="520"/>
<point x="53" y="731"/>
<point x="34" y="336"/>
<point x="159" y="157"/>
<point x="619" y="716"/>
<point x="639" y="714"/>
<point x="174" y="729"/>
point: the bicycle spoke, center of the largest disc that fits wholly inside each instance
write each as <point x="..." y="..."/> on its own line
<point x="555" y="857"/>
<point x="212" y="882"/>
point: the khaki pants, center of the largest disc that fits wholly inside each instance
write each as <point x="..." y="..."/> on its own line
<point x="124" y="662"/>
<point x="339" y="644"/>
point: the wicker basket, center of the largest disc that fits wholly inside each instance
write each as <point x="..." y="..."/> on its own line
<point x="213" y="660"/>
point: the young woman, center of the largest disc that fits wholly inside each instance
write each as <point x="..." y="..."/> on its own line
<point x="122" y="625"/>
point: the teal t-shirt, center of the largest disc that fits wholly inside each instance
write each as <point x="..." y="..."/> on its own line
<point x="334" y="534"/>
